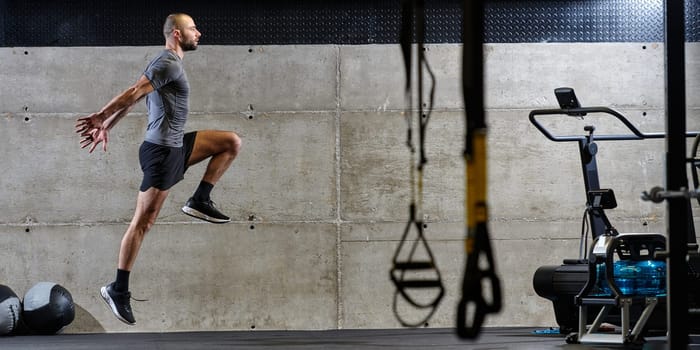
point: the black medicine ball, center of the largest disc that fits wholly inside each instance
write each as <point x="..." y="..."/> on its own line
<point x="10" y="310"/>
<point x="48" y="308"/>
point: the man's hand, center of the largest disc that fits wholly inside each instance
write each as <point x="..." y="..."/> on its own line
<point x="93" y="132"/>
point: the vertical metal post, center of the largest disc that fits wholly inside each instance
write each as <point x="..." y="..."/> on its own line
<point x="591" y="181"/>
<point x="676" y="178"/>
<point x="3" y="13"/>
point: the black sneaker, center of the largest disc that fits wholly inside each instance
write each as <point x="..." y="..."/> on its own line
<point x="205" y="211"/>
<point x="119" y="303"/>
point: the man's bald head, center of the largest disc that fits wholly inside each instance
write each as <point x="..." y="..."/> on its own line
<point x="172" y="22"/>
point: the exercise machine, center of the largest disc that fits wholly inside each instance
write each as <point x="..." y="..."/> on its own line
<point x="621" y="280"/>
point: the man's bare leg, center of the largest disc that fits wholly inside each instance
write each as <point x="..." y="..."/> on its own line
<point x="116" y="294"/>
<point x="148" y="205"/>
<point x="221" y="147"/>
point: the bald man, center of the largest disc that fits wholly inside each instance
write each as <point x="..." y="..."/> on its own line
<point x="166" y="152"/>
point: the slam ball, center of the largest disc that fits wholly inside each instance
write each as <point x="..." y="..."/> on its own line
<point x="48" y="308"/>
<point x="10" y="309"/>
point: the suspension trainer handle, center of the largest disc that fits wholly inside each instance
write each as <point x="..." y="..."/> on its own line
<point x="473" y="301"/>
<point x="408" y="272"/>
<point x="400" y="268"/>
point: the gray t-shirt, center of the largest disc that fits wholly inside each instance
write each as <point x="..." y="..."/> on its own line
<point x="169" y="101"/>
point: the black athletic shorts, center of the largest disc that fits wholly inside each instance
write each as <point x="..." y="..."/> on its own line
<point x="164" y="166"/>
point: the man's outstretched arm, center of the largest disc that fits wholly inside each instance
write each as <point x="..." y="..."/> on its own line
<point x="94" y="128"/>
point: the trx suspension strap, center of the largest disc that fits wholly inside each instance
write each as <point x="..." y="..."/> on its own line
<point x="480" y="269"/>
<point x="414" y="268"/>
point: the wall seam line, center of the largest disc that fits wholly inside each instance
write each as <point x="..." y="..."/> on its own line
<point x="338" y="253"/>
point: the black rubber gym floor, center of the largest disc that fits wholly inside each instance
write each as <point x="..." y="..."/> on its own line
<point x="423" y="338"/>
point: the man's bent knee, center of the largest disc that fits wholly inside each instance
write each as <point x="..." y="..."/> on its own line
<point x="229" y="142"/>
<point x="235" y="143"/>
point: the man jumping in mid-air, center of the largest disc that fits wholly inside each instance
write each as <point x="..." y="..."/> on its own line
<point x="167" y="151"/>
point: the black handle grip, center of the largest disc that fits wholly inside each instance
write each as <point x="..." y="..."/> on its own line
<point x="473" y="307"/>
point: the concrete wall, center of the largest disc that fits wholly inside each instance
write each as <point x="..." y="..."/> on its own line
<point x="319" y="195"/>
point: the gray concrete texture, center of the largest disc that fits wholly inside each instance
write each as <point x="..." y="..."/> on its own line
<point x="319" y="195"/>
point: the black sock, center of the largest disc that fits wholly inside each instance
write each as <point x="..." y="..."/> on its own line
<point x="121" y="284"/>
<point x="203" y="191"/>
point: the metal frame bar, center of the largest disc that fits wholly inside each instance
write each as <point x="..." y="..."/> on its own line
<point x="676" y="177"/>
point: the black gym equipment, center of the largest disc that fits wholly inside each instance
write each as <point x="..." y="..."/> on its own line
<point x="10" y="310"/>
<point x="47" y="308"/>
<point x="590" y="290"/>
<point x="480" y="269"/>
<point x="414" y="272"/>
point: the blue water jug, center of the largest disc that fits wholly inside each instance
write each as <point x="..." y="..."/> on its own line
<point x="626" y="274"/>
<point x="652" y="278"/>
<point x="643" y="278"/>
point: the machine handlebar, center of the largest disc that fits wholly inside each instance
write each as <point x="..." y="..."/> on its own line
<point x="636" y="134"/>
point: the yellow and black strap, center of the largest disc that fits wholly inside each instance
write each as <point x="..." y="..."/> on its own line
<point x="480" y="270"/>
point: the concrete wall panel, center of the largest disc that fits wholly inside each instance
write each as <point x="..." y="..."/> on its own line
<point x="381" y="87"/>
<point x="285" y="170"/>
<point x="268" y="78"/>
<point x="49" y="179"/>
<point x="603" y="74"/>
<point x="56" y="80"/>
<point x="517" y="75"/>
<point x="375" y="166"/>
<point x="222" y="79"/>
<point x="194" y="276"/>
<point x="366" y="264"/>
